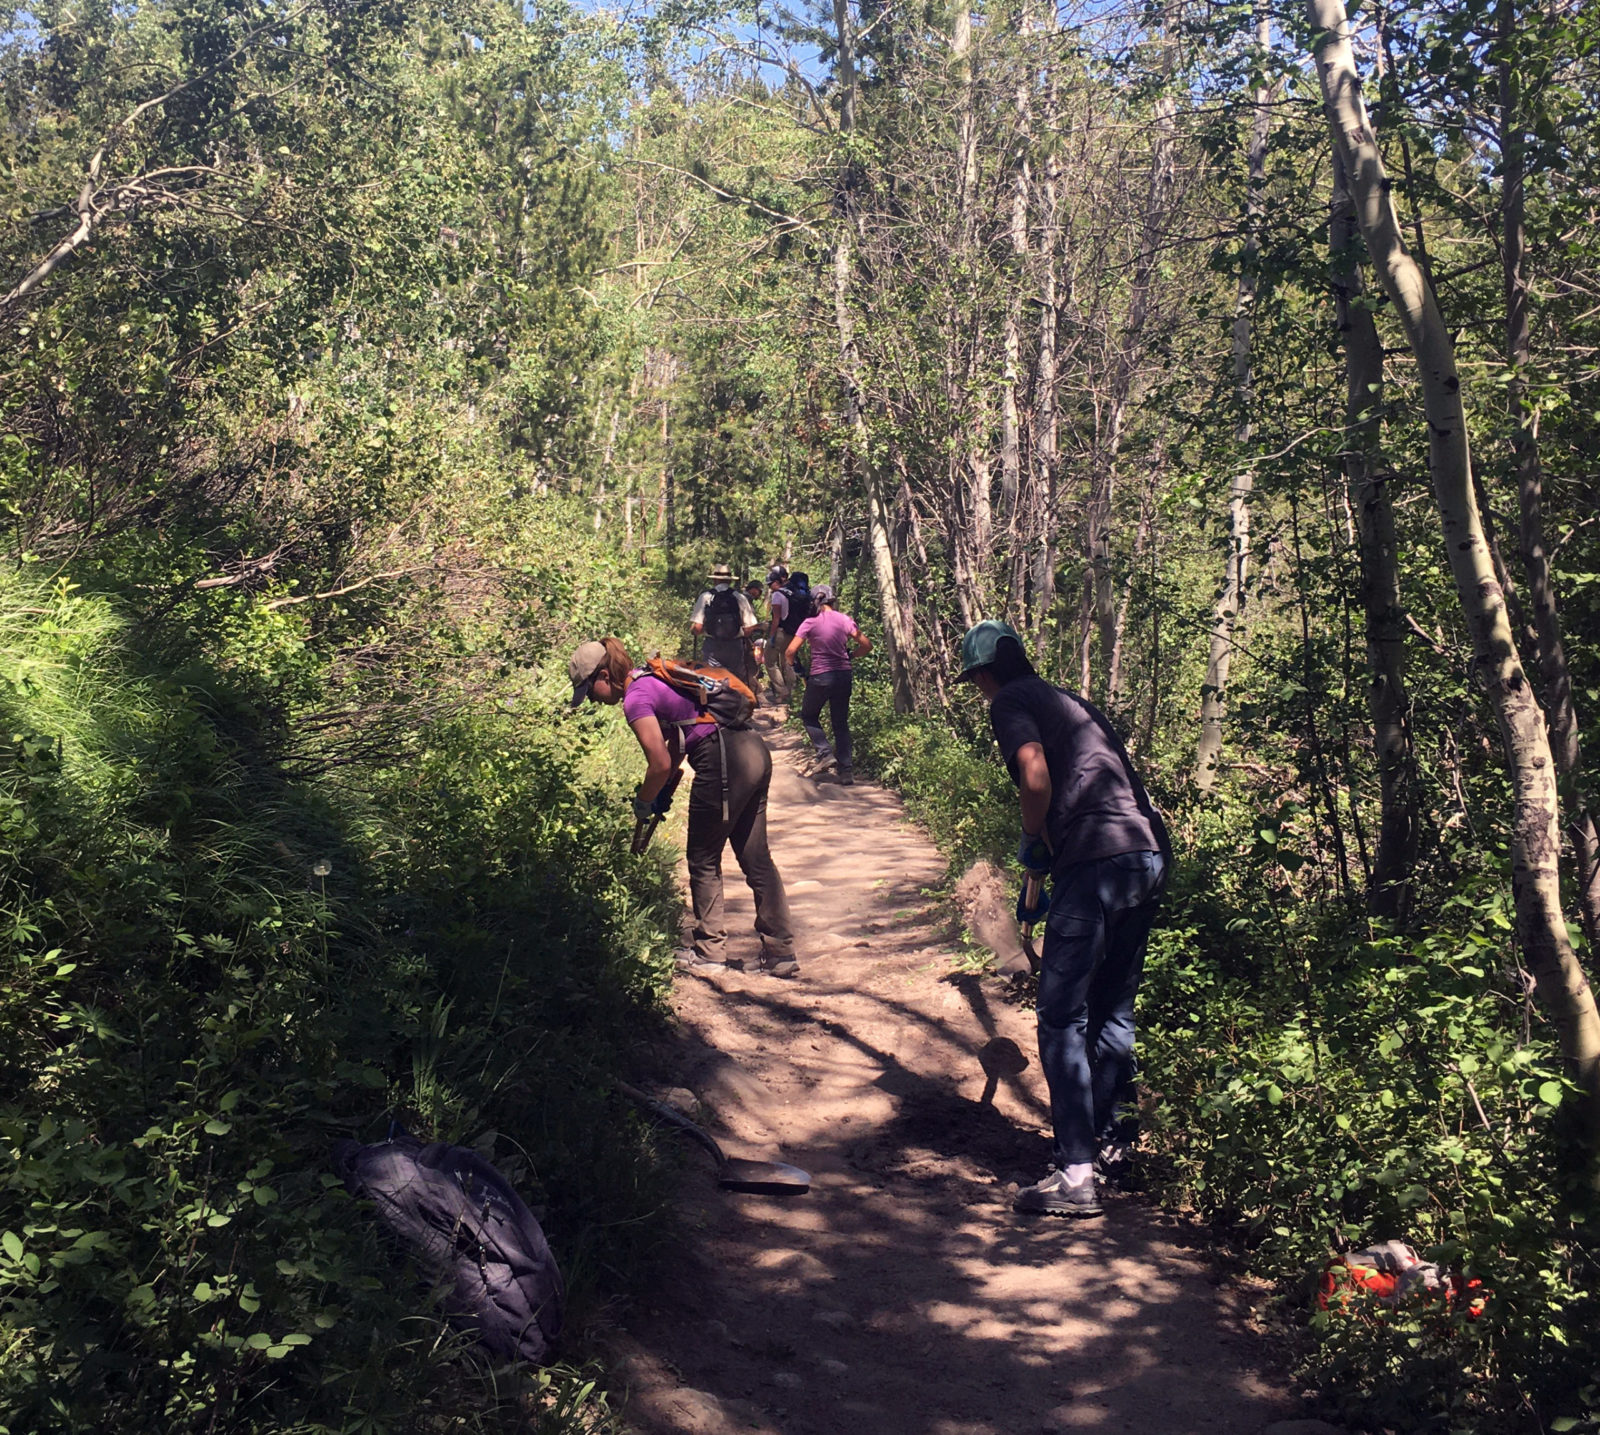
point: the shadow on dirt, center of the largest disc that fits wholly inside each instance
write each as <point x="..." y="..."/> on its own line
<point x="903" y="1295"/>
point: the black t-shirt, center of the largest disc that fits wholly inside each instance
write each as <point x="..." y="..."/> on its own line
<point x="1098" y="806"/>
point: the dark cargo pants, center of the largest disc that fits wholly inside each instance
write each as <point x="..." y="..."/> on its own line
<point x="830" y="690"/>
<point x="749" y="774"/>
<point x="1094" y="945"/>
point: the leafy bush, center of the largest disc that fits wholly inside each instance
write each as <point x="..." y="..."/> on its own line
<point x="212" y="969"/>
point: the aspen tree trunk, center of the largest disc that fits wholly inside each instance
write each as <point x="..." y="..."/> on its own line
<point x="1536" y="830"/>
<point x="1388" y="701"/>
<point x="1541" y="596"/>
<point x="897" y="632"/>
<point x="1099" y="606"/>
<point x="1231" y="595"/>
<point x="1045" y="410"/>
<point x="971" y="538"/>
<point x="1010" y="422"/>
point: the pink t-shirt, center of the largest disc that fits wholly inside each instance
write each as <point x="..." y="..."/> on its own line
<point x="829" y="633"/>
<point x="648" y="696"/>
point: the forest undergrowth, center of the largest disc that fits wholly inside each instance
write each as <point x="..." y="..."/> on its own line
<point x="1310" y="1084"/>
<point x="217" y="965"/>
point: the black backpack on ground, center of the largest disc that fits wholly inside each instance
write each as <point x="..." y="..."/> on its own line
<point x="798" y="591"/>
<point x="722" y="619"/>
<point x="459" y="1219"/>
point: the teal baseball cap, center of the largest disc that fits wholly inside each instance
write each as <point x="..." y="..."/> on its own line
<point x="979" y="645"/>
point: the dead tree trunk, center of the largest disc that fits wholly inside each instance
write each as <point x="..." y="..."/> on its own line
<point x="1536" y="827"/>
<point x="1231" y="595"/>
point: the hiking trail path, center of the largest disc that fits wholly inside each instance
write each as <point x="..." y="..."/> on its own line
<point x="902" y="1296"/>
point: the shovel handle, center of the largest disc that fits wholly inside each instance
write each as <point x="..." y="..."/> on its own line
<point x="673" y="1117"/>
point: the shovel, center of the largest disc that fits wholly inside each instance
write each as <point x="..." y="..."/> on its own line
<point x="757" y="1178"/>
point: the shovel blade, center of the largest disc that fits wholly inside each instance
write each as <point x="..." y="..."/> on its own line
<point x="763" y="1178"/>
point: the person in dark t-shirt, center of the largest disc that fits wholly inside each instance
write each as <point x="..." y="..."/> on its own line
<point x="1089" y="825"/>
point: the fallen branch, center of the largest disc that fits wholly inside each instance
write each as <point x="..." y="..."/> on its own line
<point x="348" y="587"/>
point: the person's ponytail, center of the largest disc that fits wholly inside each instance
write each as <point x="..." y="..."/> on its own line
<point x="618" y="663"/>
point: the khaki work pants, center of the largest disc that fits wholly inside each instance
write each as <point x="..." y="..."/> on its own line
<point x="780" y="671"/>
<point x="749" y="774"/>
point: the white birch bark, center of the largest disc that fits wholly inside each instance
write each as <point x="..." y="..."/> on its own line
<point x="1231" y="595"/>
<point x="1561" y="986"/>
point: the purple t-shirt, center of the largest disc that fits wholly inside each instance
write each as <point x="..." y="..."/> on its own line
<point x="829" y="632"/>
<point x="648" y="696"/>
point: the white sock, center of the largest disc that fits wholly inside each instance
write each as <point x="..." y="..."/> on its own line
<point x="1079" y="1172"/>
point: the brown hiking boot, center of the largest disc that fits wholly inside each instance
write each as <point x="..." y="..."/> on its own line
<point x="775" y="966"/>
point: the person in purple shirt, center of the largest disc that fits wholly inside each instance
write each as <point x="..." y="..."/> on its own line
<point x="727" y="799"/>
<point x="832" y="636"/>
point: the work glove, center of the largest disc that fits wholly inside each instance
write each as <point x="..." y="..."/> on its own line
<point x="1033" y="853"/>
<point x="657" y="806"/>
<point x="1032" y="916"/>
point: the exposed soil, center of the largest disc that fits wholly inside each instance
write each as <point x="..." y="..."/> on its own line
<point x="902" y="1294"/>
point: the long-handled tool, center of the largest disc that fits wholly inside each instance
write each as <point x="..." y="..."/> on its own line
<point x="643" y="831"/>
<point x="645" y="828"/>
<point x="758" y="1178"/>
<point x="1032" y="885"/>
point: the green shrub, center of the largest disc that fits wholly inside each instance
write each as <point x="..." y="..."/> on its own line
<point x="212" y="969"/>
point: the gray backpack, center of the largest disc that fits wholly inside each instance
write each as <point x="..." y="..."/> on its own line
<point x="456" y="1215"/>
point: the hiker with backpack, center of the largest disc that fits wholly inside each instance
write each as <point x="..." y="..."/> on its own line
<point x="678" y="711"/>
<point x="723" y="616"/>
<point x="832" y="635"/>
<point x="1088" y="825"/>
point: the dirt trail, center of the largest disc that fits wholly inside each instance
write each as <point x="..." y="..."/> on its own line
<point x="902" y="1296"/>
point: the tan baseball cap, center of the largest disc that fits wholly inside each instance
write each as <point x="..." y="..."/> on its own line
<point x="585" y="662"/>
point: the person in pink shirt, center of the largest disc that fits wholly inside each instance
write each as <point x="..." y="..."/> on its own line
<point x="833" y="636"/>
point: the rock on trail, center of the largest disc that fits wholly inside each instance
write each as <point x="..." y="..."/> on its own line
<point x="902" y="1296"/>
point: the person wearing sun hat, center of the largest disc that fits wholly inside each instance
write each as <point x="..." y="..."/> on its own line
<point x="1089" y="825"/>
<point x="832" y="635"/>
<point x="724" y="618"/>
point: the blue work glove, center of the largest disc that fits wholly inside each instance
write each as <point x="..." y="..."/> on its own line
<point x="1032" y="916"/>
<point x="1034" y="853"/>
<point x="643" y="810"/>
